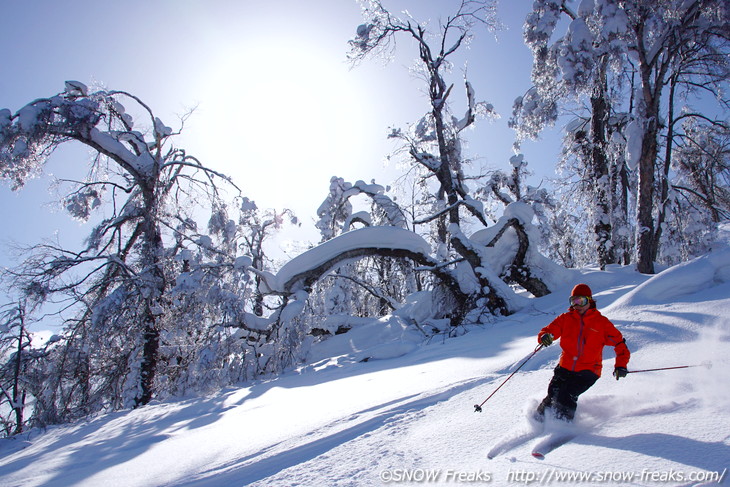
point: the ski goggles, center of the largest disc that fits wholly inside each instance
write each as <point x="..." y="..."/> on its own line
<point x="579" y="300"/>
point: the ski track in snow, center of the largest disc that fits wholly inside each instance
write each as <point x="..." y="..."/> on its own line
<point x="261" y="465"/>
<point x="344" y="423"/>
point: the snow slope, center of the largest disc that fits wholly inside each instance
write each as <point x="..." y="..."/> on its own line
<point x="408" y="412"/>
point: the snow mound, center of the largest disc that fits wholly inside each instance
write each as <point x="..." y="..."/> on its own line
<point x="385" y="338"/>
<point x="681" y="280"/>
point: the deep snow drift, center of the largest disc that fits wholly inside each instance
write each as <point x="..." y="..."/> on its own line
<point x="407" y="415"/>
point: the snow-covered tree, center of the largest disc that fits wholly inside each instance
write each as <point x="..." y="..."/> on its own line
<point x="703" y="167"/>
<point x="24" y="369"/>
<point x="371" y="286"/>
<point x="114" y="292"/>
<point x="504" y="188"/>
<point x="697" y="198"/>
<point x="662" y="38"/>
<point x="255" y="227"/>
<point x="574" y="73"/>
<point x="695" y="155"/>
<point x="623" y="59"/>
<point x="435" y="142"/>
<point x="15" y="343"/>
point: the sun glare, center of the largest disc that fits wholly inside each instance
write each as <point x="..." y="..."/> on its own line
<point x="282" y="117"/>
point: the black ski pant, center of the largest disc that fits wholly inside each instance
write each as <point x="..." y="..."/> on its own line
<point x="563" y="392"/>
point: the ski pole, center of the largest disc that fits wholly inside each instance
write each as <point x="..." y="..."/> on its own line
<point x="478" y="407"/>
<point x="707" y="365"/>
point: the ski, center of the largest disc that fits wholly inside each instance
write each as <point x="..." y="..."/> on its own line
<point x="550" y="443"/>
<point x="512" y="441"/>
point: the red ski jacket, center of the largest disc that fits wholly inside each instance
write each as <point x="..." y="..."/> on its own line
<point x="582" y="339"/>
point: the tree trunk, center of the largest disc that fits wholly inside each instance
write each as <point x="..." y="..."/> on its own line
<point x="664" y="196"/>
<point x="620" y="208"/>
<point x="18" y="398"/>
<point x="519" y="271"/>
<point x="447" y="180"/>
<point x="150" y="352"/>
<point x="600" y="175"/>
<point x="645" y="201"/>
<point x="155" y="288"/>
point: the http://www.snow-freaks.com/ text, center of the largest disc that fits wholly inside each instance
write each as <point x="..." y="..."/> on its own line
<point x="547" y="476"/>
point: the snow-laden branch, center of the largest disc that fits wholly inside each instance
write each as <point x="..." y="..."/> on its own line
<point x="304" y="270"/>
<point x="510" y="249"/>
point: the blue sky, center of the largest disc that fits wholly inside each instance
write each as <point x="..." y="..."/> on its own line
<point x="276" y="105"/>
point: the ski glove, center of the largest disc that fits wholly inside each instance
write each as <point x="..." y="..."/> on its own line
<point x="620" y="372"/>
<point x="546" y="339"/>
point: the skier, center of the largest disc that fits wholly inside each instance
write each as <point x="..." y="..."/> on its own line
<point x="583" y="332"/>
